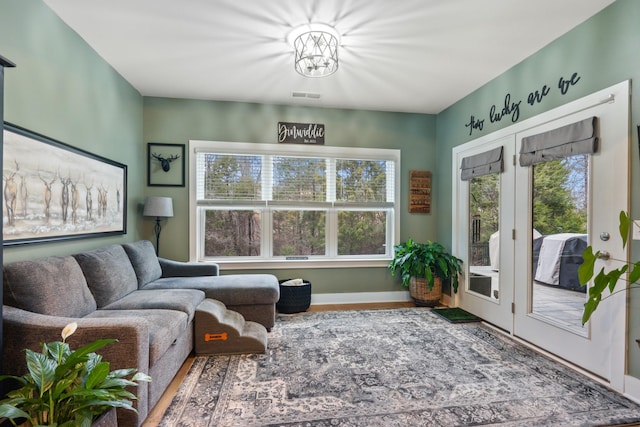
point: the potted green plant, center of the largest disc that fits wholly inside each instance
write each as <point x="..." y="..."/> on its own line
<point x="66" y="388"/>
<point x="423" y="267"/>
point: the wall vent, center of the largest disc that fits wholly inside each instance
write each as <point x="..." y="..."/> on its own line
<point x="308" y="95"/>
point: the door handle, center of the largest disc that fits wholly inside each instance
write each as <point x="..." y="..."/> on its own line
<point x="604" y="255"/>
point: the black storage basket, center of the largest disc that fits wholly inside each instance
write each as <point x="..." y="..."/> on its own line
<point x="294" y="299"/>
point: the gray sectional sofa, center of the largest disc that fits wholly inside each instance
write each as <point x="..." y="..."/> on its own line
<point x="127" y="293"/>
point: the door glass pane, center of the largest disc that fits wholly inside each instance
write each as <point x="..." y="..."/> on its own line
<point x="484" y="236"/>
<point x="559" y="236"/>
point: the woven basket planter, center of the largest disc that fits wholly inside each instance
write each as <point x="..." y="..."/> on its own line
<point x="422" y="296"/>
<point x="294" y="299"/>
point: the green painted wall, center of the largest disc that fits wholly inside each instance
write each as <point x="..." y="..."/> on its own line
<point x="63" y="89"/>
<point x="178" y="121"/>
<point x="603" y="51"/>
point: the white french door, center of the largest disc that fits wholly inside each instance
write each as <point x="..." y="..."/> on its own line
<point x="537" y="299"/>
<point x="485" y="210"/>
<point x="546" y="313"/>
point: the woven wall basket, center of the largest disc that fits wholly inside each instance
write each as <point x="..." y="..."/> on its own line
<point x="423" y="297"/>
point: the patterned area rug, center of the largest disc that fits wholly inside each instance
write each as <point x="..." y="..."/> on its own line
<point x="404" y="367"/>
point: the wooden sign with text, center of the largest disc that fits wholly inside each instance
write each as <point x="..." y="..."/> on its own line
<point x="300" y="133"/>
<point x="419" y="191"/>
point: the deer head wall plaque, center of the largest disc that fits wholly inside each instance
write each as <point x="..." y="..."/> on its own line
<point x="165" y="161"/>
<point x="166" y="165"/>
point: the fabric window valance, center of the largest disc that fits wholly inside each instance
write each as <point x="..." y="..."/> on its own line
<point x="569" y="140"/>
<point x="482" y="164"/>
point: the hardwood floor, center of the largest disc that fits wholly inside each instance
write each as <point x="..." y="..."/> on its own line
<point x="156" y="414"/>
<point x="158" y="411"/>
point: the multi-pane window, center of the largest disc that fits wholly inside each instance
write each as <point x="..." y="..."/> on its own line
<point x="258" y="202"/>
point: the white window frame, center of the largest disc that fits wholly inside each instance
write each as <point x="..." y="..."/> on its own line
<point x="242" y="148"/>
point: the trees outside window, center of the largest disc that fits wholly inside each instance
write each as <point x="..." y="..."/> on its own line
<point x="278" y="202"/>
<point x="484" y="209"/>
<point x="560" y="189"/>
<point x="299" y="233"/>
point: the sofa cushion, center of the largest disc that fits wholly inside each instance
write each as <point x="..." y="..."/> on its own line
<point x="234" y="289"/>
<point x="144" y="261"/>
<point x="185" y="300"/>
<point x="171" y="268"/>
<point x="53" y="285"/>
<point x="165" y="327"/>
<point x="109" y="273"/>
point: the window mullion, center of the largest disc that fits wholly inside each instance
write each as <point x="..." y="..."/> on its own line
<point x="391" y="188"/>
<point x="332" y="232"/>
<point x="332" y="220"/>
<point x="266" y="246"/>
<point x="200" y="174"/>
<point x="267" y="177"/>
<point x="331" y="179"/>
<point x="266" y="242"/>
<point x="390" y="232"/>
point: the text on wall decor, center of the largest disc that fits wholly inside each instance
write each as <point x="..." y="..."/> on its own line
<point x="300" y="133"/>
<point x="511" y="108"/>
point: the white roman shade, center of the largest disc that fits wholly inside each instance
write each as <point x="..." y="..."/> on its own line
<point x="570" y="140"/>
<point x="481" y="164"/>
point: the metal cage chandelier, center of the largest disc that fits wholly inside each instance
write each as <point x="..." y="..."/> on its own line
<point x="316" y="49"/>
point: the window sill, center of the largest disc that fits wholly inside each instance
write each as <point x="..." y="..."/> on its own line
<point x="297" y="264"/>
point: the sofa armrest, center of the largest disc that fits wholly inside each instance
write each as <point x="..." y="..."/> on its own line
<point x="172" y="268"/>
<point x="25" y="329"/>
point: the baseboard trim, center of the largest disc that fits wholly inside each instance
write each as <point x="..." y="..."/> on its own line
<point x="360" y="297"/>
<point x="632" y="388"/>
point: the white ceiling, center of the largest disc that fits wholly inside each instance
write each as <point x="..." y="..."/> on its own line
<point x="404" y="55"/>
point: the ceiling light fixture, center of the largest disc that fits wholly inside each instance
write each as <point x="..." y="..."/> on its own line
<point x="316" y="49"/>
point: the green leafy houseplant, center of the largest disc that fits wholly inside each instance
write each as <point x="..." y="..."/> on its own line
<point x="68" y="388"/>
<point x="425" y="260"/>
<point x="605" y="280"/>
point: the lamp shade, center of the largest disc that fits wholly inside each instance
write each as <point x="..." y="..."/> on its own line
<point x="158" y="206"/>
